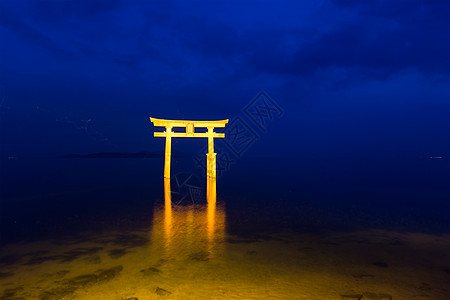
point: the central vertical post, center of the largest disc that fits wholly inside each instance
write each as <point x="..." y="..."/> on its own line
<point x="211" y="156"/>
<point x="168" y="152"/>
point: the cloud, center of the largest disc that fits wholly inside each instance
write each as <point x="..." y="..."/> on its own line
<point x="57" y="12"/>
<point x="196" y="45"/>
<point x="375" y="40"/>
<point x="12" y="21"/>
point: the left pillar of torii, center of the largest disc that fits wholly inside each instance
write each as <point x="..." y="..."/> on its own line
<point x="190" y="132"/>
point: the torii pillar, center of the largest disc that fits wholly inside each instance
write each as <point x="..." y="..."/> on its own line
<point x="211" y="156"/>
<point x="168" y="152"/>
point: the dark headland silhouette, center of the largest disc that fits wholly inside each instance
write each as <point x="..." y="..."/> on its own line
<point x="142" y="154"/>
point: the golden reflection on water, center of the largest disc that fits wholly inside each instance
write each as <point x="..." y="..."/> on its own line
<point x="194" y="231"/>
<point x="167" y="212"/>
<point x="211" y="214"/>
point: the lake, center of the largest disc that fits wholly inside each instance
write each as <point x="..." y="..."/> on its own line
<point x="279" y="228"/>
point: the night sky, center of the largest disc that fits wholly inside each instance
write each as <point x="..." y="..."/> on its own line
<point x="336" y="156"/>
<point x="353" y="78"/>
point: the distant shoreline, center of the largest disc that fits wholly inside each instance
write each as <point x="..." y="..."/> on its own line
<point x="120" y="155"/>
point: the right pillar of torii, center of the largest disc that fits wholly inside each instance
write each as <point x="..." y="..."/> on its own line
<point x="211" y="155"/>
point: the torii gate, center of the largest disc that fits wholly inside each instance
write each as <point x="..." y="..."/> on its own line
<point x="190" y="132"/>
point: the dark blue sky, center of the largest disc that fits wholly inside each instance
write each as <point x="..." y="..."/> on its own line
<point x="353" y="77"/>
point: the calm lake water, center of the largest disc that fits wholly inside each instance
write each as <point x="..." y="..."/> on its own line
<point x="310" y="228"/>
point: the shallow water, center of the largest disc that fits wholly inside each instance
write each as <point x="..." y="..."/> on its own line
<point x="203" y="265"/>
<point x="102" y="229"/>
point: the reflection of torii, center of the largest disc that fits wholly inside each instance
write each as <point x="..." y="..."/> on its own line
<point x="176" y="229"/>
<point x="190" y="132"/>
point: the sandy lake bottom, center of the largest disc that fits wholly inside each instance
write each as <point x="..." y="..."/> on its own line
<point x="187" y="254"/>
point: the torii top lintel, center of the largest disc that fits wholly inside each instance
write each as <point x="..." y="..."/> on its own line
<point x="185" y="123"/>
<point x="190" y="128"/>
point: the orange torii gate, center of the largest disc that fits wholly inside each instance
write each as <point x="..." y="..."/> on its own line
<point x="190" y="132"/>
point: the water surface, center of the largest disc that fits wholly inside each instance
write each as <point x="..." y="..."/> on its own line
<point x="279" y="229"/>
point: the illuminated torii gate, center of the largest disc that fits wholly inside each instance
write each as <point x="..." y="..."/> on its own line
<point x="190" y="132"/>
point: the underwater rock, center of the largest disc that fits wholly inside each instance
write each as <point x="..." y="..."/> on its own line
<point x="375" y="296"/>
<point x="330" y="243"/>
<point x="74" y="254"/>
<point x="58" y="275"/>
<point x="130" y="240"/>
<point x="9" y="293"/>
<point x="5" y="274"/>
<point x="199" y="256"/>
<point x="425" y="287"/>
<point x="161" y="262"/>
<point x="13" y="298"/>
<point x="107" y="275"/>
<point x="117" y="253"/>
<point x="68" y="256"/>
<point x="82" y="280"/>
<point x="359" y="276"/>
<point x="36" y="253"/>
<point x="150" y="271"/>
<point x="57" y="293"/>
<point x="9" y="259"/>
<point x="380" y="264"/>
<point x="306" y="248"/>
<point x="69" y="286"/>
<point x="397" y="243"/>
<point x="36" y="260"/>
<point x="352" y="296"/>
<point x="62" y="273"/>
<point x="162" y="292"/>
<point x="94" y="259"/>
